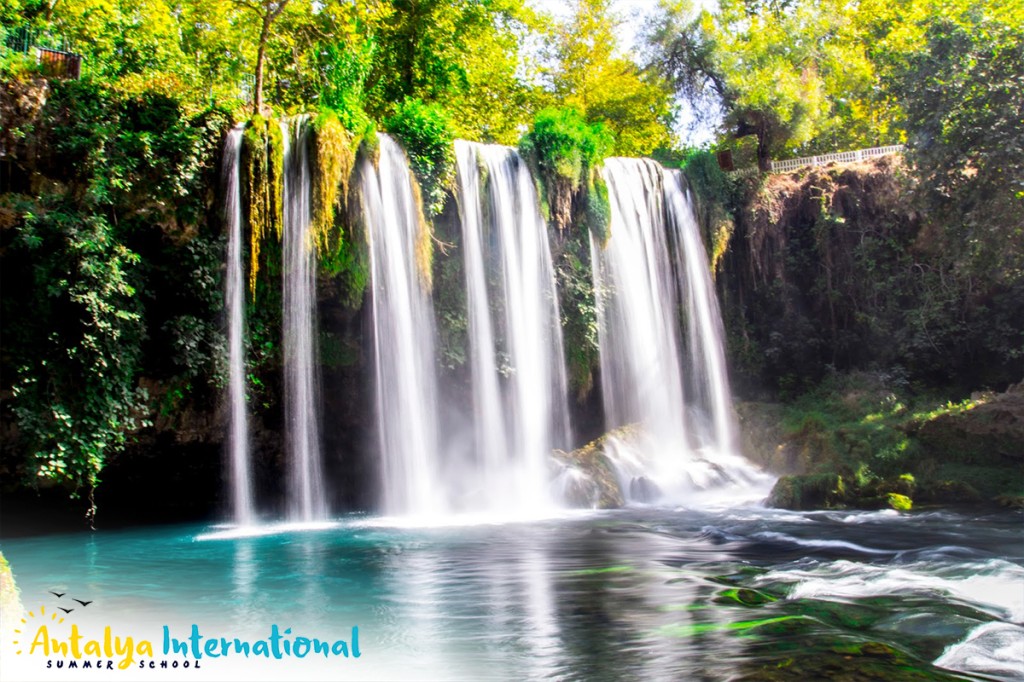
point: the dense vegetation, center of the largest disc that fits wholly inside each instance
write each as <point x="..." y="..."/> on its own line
<point x="110" y="232"/>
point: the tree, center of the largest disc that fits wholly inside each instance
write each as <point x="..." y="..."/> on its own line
<point x="589" y="74"/>
<point x="796" y="75"/>
<point x="462" y="54"/>
<point x="961" y="92"/>
<point x="268" y="12"/>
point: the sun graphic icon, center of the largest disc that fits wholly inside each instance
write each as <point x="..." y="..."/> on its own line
<point x="42" y="615"/>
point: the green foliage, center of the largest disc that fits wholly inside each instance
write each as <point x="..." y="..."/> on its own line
<point x="578" y="307"/>
<point x="566" y="153"/>
<point x="961" y="94"/>
<point x="716" y="196"/>
<point x="462" y="54"/>
<point x="75" y="395"/>
<point x="426" y="135"/>
<point x="345" y="70"/>
<point x="804" y="80"/>
<point x="879" y="441"/>
<point x="591" y="75"/>
<point x="112" y="273"/>
<point x="598" y="211"/>
<point x="839" y="268"/>
<point x="565" y="145"/>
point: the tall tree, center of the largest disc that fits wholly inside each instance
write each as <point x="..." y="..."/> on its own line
<point x="961" y="92"/>
<point x="588" y="72"/>
<point x="267" y="11"/>
<point x="462" y="54"/>
<point x="796" y="75"/>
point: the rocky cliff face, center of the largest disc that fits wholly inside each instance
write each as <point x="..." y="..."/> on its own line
<point x="841" y="269"/>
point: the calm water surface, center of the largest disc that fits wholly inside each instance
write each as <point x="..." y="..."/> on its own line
<point x="639" y="594"/>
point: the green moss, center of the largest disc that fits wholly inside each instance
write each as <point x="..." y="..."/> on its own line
<point x="598" y="212"/>
<point x="578" y="306"/>
<point x="892" y="447"/>
<point x="333" y="159"/>
<point x="809" y="491"/>
<point x="263" y="169"/>
<point x="899" y="502"/>
<point x="744" y="597"/>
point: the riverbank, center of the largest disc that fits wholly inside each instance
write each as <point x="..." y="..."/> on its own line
<point x="862" y="441"/>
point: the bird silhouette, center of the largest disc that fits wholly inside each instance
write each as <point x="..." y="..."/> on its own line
<point x="65" y="610"/>
<point x="83" y="603"/>
<point x="58" y="594"/>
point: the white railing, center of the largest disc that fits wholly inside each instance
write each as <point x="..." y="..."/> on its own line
<point x="838" y="157"/>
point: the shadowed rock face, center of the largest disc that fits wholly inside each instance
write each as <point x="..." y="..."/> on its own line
<point x="992" y="429"/>
<point x="957" y="455"/>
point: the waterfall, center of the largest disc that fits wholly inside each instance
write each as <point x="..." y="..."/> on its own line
<point x="403" y="337"/>
<point x="653" y="266"/>
<point x="306" y="500"/>
<point x="515" y="342"/>
<point x="238" y="418"/>
<point x="706" y="345"/>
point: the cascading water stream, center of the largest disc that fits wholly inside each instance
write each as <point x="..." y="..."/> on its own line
<point x="404" y="338"/>
<point x="706" y="346"/>
<point x="639" y="286"/>
<point x="306" y="499"/>
<point x="238" y="418"/>
<point x="519" y="404"/>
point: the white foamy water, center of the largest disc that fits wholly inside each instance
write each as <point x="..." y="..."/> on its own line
<point x="412" y="467"/>
<point x="993" y="587"/>
<point x="238" y="415"/>
<point x="306" y="496"/>
<point x="674" y="389"/>
<point x="519" y="405"/>
<point x="995" y="649"/>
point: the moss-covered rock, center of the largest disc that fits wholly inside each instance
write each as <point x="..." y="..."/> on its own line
<point x="988" y="430"/>
<point x="890" y="447"/>
<point x="589" y="476"/>
<point x="808" y="491"/>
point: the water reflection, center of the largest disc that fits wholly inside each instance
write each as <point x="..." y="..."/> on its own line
<point x="246" y="614"/>
<point x="636" y="595"/>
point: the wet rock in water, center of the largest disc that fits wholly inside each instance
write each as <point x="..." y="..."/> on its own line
<point x="807" y="491"/>
<point x="575" y="488"/>
<point x="589" y="479"/>
<point x="643" y="489"/>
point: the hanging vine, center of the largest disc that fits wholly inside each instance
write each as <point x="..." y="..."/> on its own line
<point x="333" y="152"/>
<point x="263" y="163"/>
